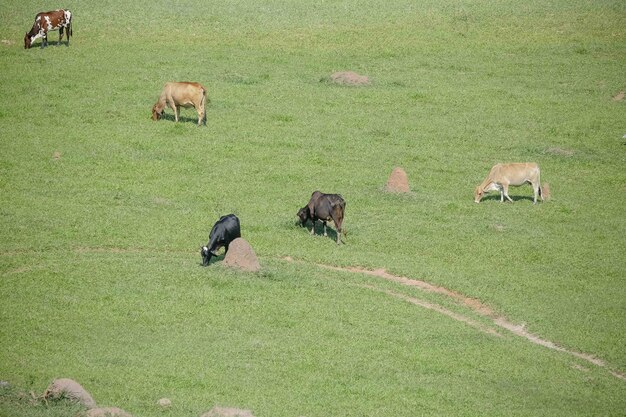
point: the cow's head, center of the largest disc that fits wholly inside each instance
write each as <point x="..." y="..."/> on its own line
<point x="27" y="41"/>
<point x="206" y="255"/>
<point x="478" y="194"/>
<point x="156" y="112"/>
<point x="303" y="215"/>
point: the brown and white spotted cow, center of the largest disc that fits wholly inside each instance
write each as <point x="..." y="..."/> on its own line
<point x="46" y="22"/>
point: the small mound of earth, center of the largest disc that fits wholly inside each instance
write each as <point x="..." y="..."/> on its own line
<point x="107" y="412"/>
<point x="70" y="389"/>
<point x="227" y="412"/>
<point x="349" y="78"/>
<point x="164" y="402"/>
<point x="619" y="96"/>
<point x="8" y="42"/>
<point x="398" y="181"/>
<point x="56" y="155"/>
<point x="545" y="191"/>
<point x="241" y="255"/>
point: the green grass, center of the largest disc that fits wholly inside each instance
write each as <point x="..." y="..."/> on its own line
<point x="99" y="265"/>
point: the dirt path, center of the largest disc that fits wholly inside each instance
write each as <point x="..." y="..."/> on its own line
<point x="438" y="309"/>
<point x="475" y="305"/>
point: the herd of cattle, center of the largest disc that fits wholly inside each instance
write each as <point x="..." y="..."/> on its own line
<point x="321" y="207"/>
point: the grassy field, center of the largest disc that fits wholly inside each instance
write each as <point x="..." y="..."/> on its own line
<point x="103" y="211"/>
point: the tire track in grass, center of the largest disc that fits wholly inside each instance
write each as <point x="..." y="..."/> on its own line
<point x="473" y="304"/>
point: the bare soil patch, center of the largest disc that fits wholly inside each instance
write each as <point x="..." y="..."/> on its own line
<point x="472" y="303"/>
<point x="398" y="181"/>
<point x="619" y="96"/>
<point x="241" y="255"/>
<point x="164" y="402"/>
<point x="227" y="412"/>
<point x="439" y="309"/>
<point x="349" y="78"/>
<point x="545" y="191"/>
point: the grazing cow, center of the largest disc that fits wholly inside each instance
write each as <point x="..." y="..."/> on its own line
<point x="46" y="22"/>
<point x="177" y="94"/>
<point x="324" y="207"/>
<point x="224" y="231"/>
<point x="503" y="175"/>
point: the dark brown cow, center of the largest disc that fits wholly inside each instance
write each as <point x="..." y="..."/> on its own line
<point x="47" y="21"/>
<point x="324" y="207"/>
<point x="181" y="94"/>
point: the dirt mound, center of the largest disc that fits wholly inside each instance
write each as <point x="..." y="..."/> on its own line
<point x="69" y="389"/>
<point x="164" y="402"/>
<point x="241" y="255"/>
<point x="107" y="412"/>
<point x="545" y="191"/>
<point x="619" y="96"/>
<point x="349" y="78"/>
<point x="227" y="412"/>
<point x="398" y="181"/>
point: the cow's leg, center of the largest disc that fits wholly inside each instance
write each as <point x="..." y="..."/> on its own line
<point x="60" y="35"/>
<point x="200" y="111"/>
<point x="324" y="223"/>
<point x="313" y="226"/>
<point x="174" y="108"/>
<point x="44" y="40"/>
<point x="338" y="220"/>
<point x="536" y="192"/>
<point x="505" y="192"/>
<point x="339" y="230"/>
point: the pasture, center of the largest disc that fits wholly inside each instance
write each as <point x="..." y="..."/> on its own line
<point x="483" y="309"/>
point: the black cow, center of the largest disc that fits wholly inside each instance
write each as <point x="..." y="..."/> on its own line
<point x="324" y="207"/>
<point x="224" y="231"/>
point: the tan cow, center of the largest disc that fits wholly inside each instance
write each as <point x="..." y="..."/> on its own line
<point x="503" y="175"/>
<point x="181" y="94"/>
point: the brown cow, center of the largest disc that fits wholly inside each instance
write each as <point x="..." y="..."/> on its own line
<point x="324" y="207"/>
<point x="177" y="94"/>
<point x="502" y="176"/>
<point x="46" y="22"/>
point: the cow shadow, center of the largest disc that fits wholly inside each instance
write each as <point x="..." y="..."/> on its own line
<point x="181" y="119"/>
<point x="513" y="197"/>
<point x="318" y="231"/>
<point x="39" y="45"/>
